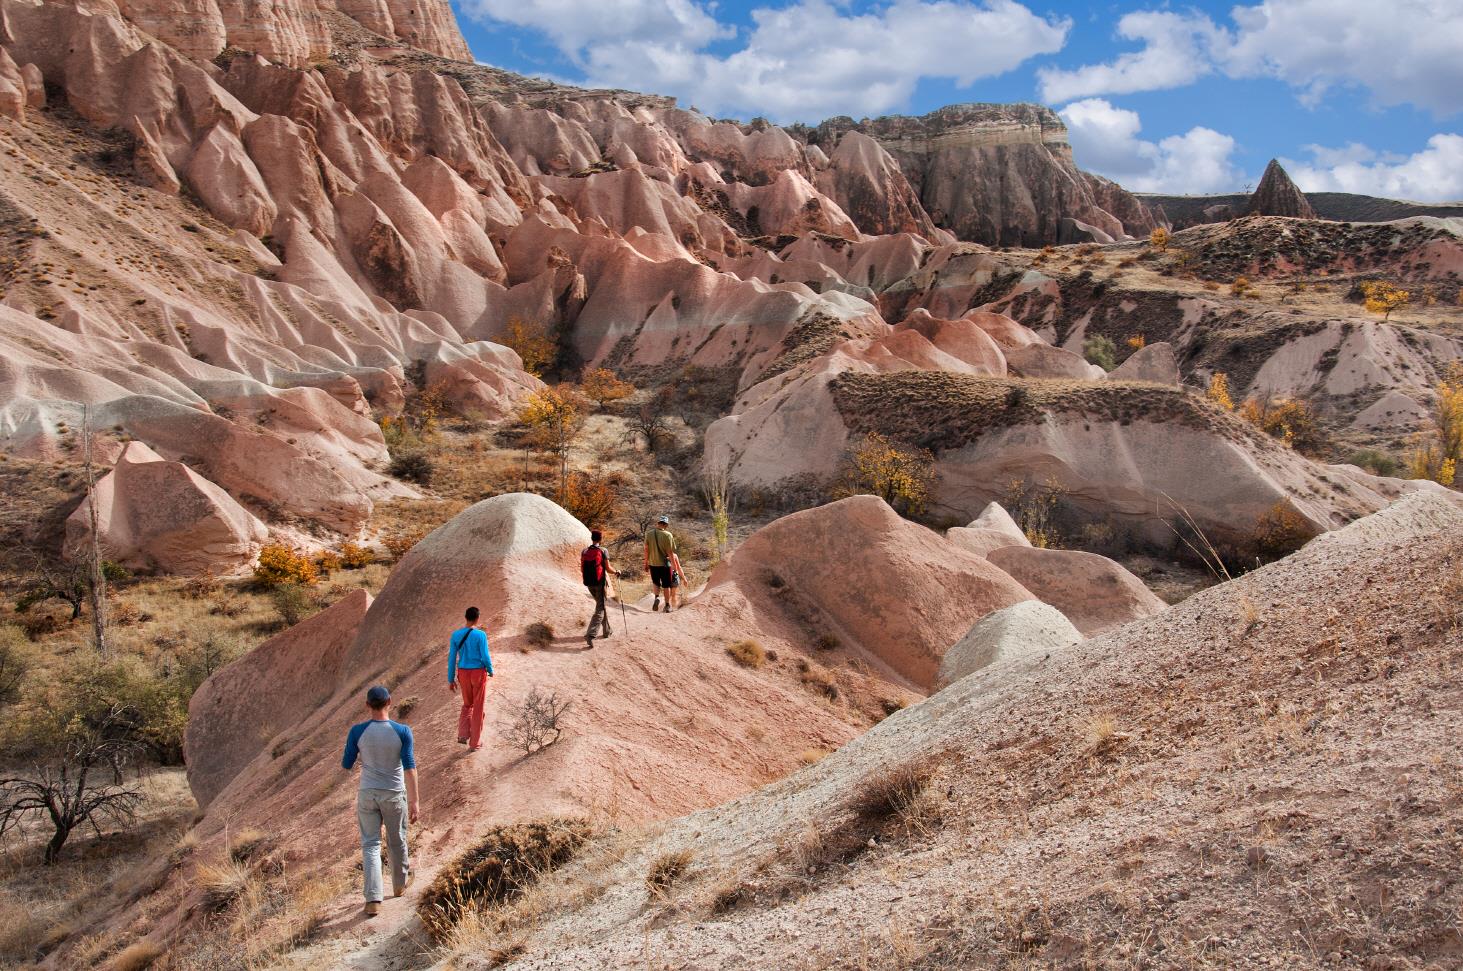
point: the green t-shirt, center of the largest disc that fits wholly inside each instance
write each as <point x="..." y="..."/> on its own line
<point x="659" y="545"/>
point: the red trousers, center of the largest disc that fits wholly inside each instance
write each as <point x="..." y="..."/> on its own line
<point x="473" y="683"/>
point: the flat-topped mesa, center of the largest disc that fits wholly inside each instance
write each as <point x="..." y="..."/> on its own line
<point x="1277" y="195"/>
<point x="998" y="174"/>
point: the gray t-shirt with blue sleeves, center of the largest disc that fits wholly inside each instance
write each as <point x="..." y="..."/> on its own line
<point x="385" y="750"/>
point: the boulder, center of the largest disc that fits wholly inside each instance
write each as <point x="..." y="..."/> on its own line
<point x="247" y="706"/>
<point x="1030" y="629"/>
<point x="1094" y="592"/>
<point x="1155" y="363"/>
<point x="1045" y="361"/>
<point x="993" y="529"/>
<point x="162" y="516"/>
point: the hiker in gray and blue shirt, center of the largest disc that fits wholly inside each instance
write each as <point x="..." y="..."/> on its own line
<point x="388" y="794"/>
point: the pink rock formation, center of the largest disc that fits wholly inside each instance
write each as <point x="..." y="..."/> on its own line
<point x="905" y="597"/>
<point x="1095" y="593"/>
<point x="156" y="515"/>
<point x="229" y="724"/>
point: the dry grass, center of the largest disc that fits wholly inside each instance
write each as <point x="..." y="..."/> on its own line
<point x="748" y="654"/>
<point x="248" y="845"/>
<point x="136" y="956"/>
<point x="223" y="885"/>
<point x="539" y="633"/>
<point x="667" y="869"/>
<point x="812" y="756"/>
<point x="500" y="866"/>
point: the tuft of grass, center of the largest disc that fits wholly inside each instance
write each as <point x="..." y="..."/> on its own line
<point x="748" y="654"/>
<point x="540" y="633"/>
<point x="729" y="895"/>
<point x="812" y="756"/>
<point x="828" y="642"/>
<point x="667" y="869"/>
<point x="500" y="866"/>
<point x="404" y="710"/>
<point x="892" y="792"/>
<point x="136" y="956"/>
<point x="223" y="885"/>
<point x="248" y="845"/>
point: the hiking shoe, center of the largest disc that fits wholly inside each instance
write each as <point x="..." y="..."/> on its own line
<point x="606" y="633"/>
<point x="462" y="741"/>
<point x="589" y="639"/>
<point x="398" y="891"/>
<point x="373" y="907"/>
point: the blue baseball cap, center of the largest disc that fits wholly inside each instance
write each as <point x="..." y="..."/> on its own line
<point x="378" y="696"/>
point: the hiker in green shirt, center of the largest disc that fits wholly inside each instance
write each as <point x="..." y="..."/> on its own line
<point x="664" y="565"/>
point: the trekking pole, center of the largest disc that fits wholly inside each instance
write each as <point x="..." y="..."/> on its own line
<point x="623" y="622"/>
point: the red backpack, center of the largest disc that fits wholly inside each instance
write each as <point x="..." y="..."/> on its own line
<point x="592" y="564"/>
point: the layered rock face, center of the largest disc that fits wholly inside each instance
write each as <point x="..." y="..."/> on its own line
<point x="294" y="32"/>
<point x="998" y="174"/>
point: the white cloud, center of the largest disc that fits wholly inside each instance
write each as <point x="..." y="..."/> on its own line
<point x="1105" y="139"/>
<point x="1175" y="52"/>
<point x="1402" y="51"/>
<point x="1434" y="174"/>
<point x="802" y="62"/>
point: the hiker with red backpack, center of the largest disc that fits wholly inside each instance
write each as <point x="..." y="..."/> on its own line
<point x="594" y="564"/>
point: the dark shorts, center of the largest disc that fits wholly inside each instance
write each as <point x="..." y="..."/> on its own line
<point x="661" y="576"/>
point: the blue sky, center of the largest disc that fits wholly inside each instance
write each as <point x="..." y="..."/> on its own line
<point x="1352" y="95"/>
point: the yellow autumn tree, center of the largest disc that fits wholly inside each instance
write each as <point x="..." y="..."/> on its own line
<point x="900" y="474"/>
<point x="532" y="343"/>
<point x="1158" y="239"/>
<point x="1381" y="297"/>
<point x="555" y="417"/>
<point x="603" y="386"/>
<point x="1438" y="455"/>
<point x="1218" y="391"/>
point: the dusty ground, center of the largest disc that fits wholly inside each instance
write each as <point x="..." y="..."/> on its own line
<point x="1265" y="776"/>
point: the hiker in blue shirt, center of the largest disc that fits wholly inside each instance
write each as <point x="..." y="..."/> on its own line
<point x="469" y="664"/>
<point x="387" y="797"/>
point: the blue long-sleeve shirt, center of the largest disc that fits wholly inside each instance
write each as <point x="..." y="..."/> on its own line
<point x="468" y="651"/>
<point x="385" y="750"/>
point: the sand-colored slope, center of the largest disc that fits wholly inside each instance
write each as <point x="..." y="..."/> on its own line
<point x="1264" y="775"/>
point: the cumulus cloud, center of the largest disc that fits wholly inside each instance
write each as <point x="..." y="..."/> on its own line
<point x="801" y="62"/>
<point x="1401" y="51"/>
<point x="1434" y="174"/>
<point x="1175" y="52"/>
<point x="1105" y="140"/>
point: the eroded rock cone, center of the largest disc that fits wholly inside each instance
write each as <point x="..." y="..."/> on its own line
<point x="1278" y="196"/>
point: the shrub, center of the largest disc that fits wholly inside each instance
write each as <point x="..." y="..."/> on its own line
<point x="1218" y="392"/>
<point x="398" y="544"/>
<point x="540" y="633"/>
<point x="412" y="467"/>
<point x="666" y="870"/>
<point x="819" y="680"/>
<point x="748" y="654"/>
<point x="327" y="562"/>
<point x="203" y="585"/>
<point x="1033" y="505"/>
<point x="591" y="499"/>
<point x="1017" y="396"/>
<point x="532" y="343"/>
<point x="902" y="475"/>
<point x="1288" y="419"/>
<point x="14" y="663"/>
<point x="1240" y="286"/>
<point x="1280" y="531"/>
<point x="1374" y="461"/>
<point x="227" y="606"/>
<point x="293" y="603"/>
<point x="1158" y="239"/>
<point x="279" y="564"/>
<point x="537" y="725"/>
<point x="1100" y="350"/>
<point x="354" y="557"/>
<point x="827" y="642"/>
<point x="603" y="386"/>
<point x="501" y="865"/>
<point x="249" y="844"/>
